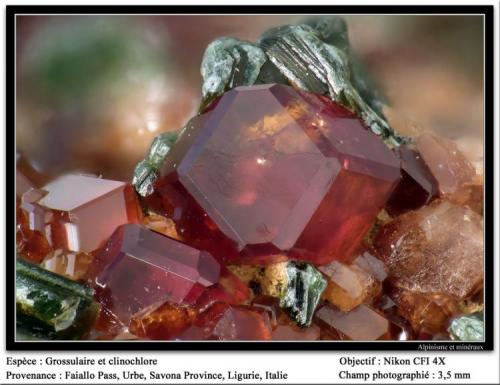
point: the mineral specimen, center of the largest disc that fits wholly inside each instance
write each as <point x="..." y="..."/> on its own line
<point x="436" y="249"/>
<point x="295" y="174"/>
<point x="286" y="209"/>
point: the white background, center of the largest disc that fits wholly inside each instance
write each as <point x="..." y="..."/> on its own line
<point x="302" y="367"/>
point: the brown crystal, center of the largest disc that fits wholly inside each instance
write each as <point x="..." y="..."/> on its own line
<point x="348" y="285"/>
<point x="162" y="321"/>
<point x="70" y="264"/>
<point x="32" y="245"/>
<point x="470" y="195"/>
<point x="424" y="312"/>
<point x="161" y="224"/>
<point x="437" y="249"/>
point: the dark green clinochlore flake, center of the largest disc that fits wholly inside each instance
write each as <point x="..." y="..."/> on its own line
<point x="147" y="170"/>
<point x="49" y="306"/>
<point x="311" y="64"/>
<point x="468" y="327"/>
<point x="333" y="30"/>
<point x="303" y="293"/>
<point x="315" y="56"/>
<point x="229" y="63"/>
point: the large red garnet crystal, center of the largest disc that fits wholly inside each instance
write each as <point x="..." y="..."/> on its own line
<point x="270" y="170"/>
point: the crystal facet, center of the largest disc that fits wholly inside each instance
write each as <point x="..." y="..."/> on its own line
<point x="417" y="185"/>
<point x="141" y="267"/>
<point x="348" y="285"/>
<point x="82" y="220"/>
<point x="372" y="265"/>
<point x="69" y="264"/>
<point x="361" y="323"/>
<point x="295" y="174"/>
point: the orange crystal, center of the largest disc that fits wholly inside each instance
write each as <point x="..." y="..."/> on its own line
<point x="70" y="264"/>
<point x="436" y="249"/>
<point x="162" y="321"/>
<point x="348" y="285"/>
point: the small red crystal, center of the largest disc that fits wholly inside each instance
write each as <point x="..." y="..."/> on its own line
<point x="141" y="267"/>
<point x="273" y="170"/>
<point x="229" y="289"/>
<point x="417" y="186"/>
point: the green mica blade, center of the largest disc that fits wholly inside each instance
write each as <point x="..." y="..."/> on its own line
<point x="303" y="293"/>
<point x="50" y="306"/>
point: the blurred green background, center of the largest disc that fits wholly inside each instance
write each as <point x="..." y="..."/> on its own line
<point x="92" y="91"/>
